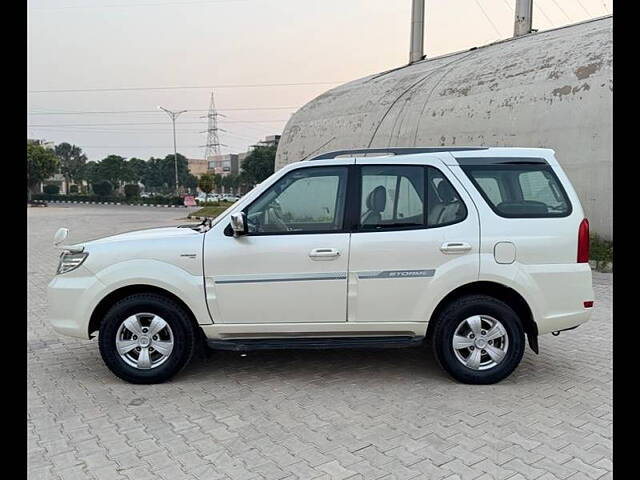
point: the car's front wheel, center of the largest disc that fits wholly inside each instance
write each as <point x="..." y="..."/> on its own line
<point x="146" y="338"/>
<point x="478" y="339"/>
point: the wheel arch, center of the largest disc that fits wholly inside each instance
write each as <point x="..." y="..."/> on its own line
<point x="496" y="290"/>
<point x="103" y="305"/>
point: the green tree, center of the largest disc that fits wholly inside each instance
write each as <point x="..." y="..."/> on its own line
<point x="217" y="182"/>
<point x="42" y="163"/>
<point x="138" y="169"/>
<point x="72" y="162"/>
<point x="205" y="183"/>
<point x="115" y="169"/>
<point x="227" y="183"/>
<point x="90" y="172"/>
<point x="185" y="178"/>
<point x="259" y="164"/>
<point x="160" y="174"/>
<point x="152" y="177"/>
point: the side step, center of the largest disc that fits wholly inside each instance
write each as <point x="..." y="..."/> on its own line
<point x="247" y="345"/>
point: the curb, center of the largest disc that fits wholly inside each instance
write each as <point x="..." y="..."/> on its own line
<point x="109" y="203"/>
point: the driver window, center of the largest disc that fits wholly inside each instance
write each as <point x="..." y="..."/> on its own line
<point x="306" y="200"/>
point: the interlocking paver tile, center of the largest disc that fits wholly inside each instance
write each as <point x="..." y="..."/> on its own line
<point x="306" y="415"/>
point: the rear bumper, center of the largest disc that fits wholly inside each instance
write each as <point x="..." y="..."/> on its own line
<point x="560" y="293"/>
<point x="564" y="321"/>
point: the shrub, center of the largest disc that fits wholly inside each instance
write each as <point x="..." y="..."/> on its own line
<point x="132" y="190"/>
<point x="109" y="199"/>
<point x="73" y="189"/>
<point x="103" y="188"/>
<point x="51" y="189"/>
<point x="600" y="251"/>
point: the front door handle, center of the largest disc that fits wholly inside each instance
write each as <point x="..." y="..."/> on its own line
<point x="324" y="253"/>
<point x="455" y="247"/>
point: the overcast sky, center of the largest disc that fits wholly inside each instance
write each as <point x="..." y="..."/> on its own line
<point x="229" y="44"/>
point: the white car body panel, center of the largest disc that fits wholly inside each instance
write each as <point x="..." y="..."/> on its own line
<point x="268" y="286"/>
<point x="400" y="275"/>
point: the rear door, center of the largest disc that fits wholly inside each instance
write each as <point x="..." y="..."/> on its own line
<point x="416" y="238"/>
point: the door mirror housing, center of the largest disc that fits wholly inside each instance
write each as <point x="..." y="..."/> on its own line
<point x="239" y="224"/>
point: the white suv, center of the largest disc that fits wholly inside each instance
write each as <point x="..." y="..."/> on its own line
<point x="468" y="249"/>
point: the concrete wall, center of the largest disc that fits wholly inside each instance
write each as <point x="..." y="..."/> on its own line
<point x="551" y="89"/>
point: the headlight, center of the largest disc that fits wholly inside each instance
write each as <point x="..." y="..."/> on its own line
<point x="70" y="261"/>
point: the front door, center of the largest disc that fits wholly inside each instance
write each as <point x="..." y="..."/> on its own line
<point x="292" y="265"/>
<point x="417" y="236"/>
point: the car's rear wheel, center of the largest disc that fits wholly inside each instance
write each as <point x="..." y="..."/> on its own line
<point x="478" y="339"/>
<point x="146" y="338"/>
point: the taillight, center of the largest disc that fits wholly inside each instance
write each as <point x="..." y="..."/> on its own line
<point x="583" y="242"/>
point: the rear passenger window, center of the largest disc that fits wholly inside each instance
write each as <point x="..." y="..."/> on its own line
<point x="444" y="205"/>
<point x="393" y="196"/>
<point x="520" y="190"/>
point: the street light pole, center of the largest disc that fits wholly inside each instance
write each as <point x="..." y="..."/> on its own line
<point x="173" y="116"/>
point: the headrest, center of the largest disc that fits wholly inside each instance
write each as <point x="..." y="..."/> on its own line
<point x="446" y="192"/>
<point x="377" y="199"/>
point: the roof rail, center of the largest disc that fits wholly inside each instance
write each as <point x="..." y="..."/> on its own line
<point x="393" y="151"/>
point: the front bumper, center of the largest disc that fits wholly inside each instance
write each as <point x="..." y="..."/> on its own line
<point x="71" y="300"/>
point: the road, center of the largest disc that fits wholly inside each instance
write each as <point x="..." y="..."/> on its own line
<point x="330" y="415"/>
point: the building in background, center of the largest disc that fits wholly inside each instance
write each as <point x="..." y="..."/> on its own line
<point x="224" y="164"/>
<point x="197" y="166"/>
<point x="269" y="141"/>
<point x="550" y="89"/>
<point x="231" y="163"/>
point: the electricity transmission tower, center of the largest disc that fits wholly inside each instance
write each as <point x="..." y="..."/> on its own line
<point x="213" y="141"/>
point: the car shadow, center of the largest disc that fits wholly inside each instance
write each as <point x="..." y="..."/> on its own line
<point x="342" y="365"/>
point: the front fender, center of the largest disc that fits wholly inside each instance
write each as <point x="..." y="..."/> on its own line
<point x="187" y="287"/>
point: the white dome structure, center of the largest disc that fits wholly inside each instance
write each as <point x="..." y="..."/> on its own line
<point x="550" y="89"/>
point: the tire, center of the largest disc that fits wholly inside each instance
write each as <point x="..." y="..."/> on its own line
<point x="475" y="361"/>
<point x="174" y="343"/>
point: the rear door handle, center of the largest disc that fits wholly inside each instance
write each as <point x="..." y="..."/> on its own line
<point x="455" y="247"/>
<point x="324" y="253"/>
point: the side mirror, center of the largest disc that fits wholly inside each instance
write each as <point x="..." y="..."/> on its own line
<point x="239" y="224"/>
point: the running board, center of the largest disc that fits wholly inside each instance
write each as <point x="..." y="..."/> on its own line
<point x="246" y="345"/>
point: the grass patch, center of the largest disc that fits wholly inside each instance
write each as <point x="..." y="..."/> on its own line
<point x="212" y="211"/>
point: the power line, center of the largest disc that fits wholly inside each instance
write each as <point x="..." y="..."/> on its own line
<point x="146" y="123"/>
<point x="136" y="146"/>
<point x="108" y="112"/>
<point x="488" y="18"/>
<point x="186" y="87"/>
<point x="561" y="9"/>
<point x="165" y="4"/>
<point x="583" y="8"/>
<point x="539" y="7"/>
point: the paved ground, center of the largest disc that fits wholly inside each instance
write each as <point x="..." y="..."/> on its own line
<point x="336" y="414"/>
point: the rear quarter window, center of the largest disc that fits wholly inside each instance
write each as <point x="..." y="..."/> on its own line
<point x="520" y="190"/>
